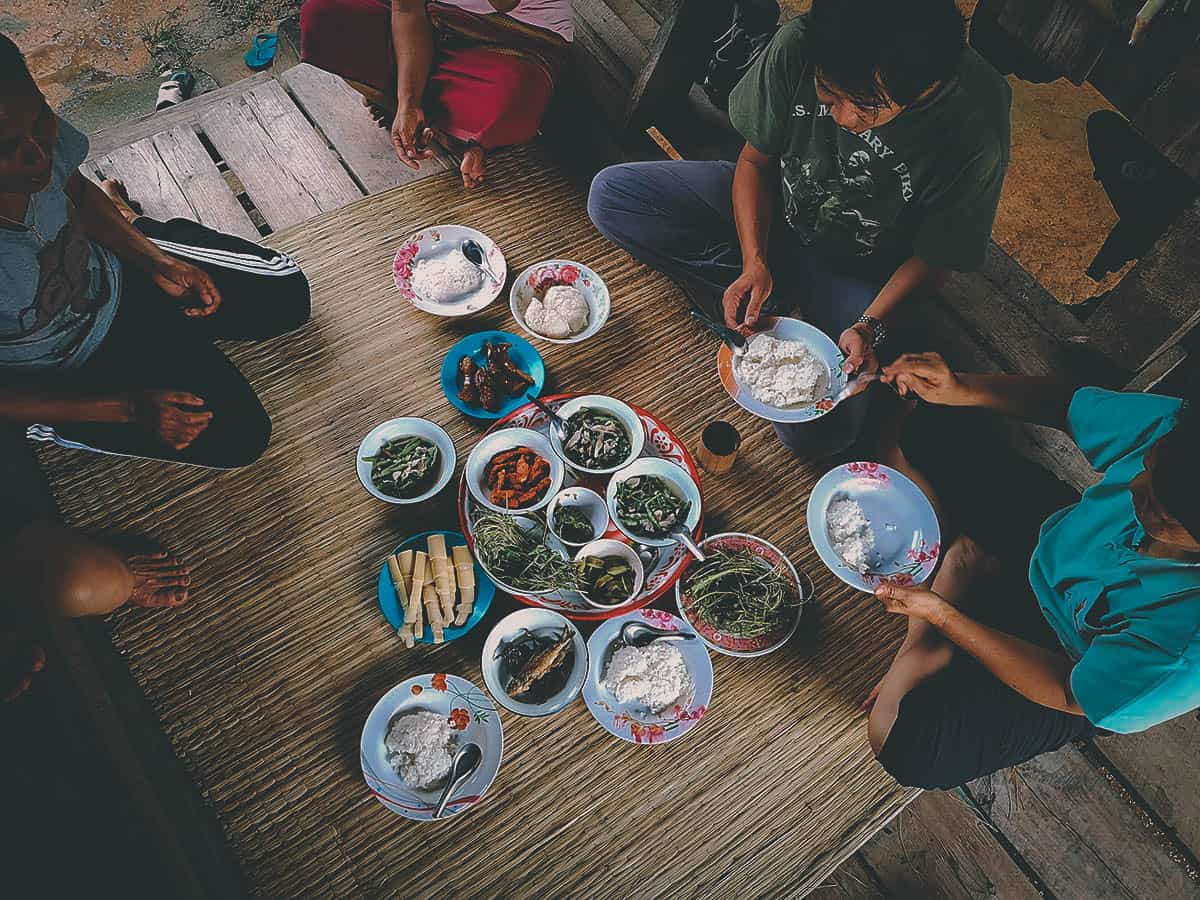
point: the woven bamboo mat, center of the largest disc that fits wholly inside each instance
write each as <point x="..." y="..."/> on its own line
<point x="263" y="682"/>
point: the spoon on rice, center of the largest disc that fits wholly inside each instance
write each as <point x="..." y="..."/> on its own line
<point x="476" y="257"/>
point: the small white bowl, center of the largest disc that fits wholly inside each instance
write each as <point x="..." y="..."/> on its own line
<point x="507" y="439"/>
<point x="527" y="523"/>
<point x="563" y="271"/>
<point x="609" y="547"/>
<point x="416" y="427"/>
<point x="579" y="498"/>
<point x="623" y="412"/>
<point x="534" y="620"/>
<point x="675" y="476"/>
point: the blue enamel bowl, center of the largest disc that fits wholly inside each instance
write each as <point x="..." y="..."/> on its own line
<point x="521" y="352"/>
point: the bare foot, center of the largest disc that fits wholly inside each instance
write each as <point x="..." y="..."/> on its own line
<point x="158" y="580"/>
<point x="473" y="167"/>
<point x="381" y="114"/>
<point x="120" y="196"/>
<point x="19" y="662"/>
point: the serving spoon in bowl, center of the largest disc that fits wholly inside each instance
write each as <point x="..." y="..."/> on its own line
<point x="637" y="634"/>
<point x="681" y="535"/>
<point x="476" y="257"/>
<point x="557" y="422"/>
<point x="466" y="761"/>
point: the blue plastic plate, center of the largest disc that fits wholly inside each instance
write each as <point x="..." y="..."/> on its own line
<point x="389" y="603"/>
<point x="522" y="353"/>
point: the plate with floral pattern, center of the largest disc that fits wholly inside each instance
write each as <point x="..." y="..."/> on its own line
<point x="908" y="539"/>
<point x="786" y="329"/>
<point x="473" y="718"/>
<point x="435" y="241"/>
<point x="633" y="722"/>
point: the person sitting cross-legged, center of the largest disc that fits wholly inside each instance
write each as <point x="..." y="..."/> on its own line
<point x="876" y="144"/>
<point x="107" y="318"/>
<point x="1053" y="616"/>
<point x="472" y="75"/>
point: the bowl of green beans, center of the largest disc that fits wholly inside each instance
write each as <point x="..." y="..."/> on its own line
<point x="405" y="460"/>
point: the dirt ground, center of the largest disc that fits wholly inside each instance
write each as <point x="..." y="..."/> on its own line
<point x="97" y="61"/>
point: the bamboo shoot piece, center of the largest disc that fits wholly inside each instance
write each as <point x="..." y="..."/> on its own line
<point x="448" y="611"/>
<point x="441" y="575"/>
<point x="433" y="610"/>
<point x="415" y="593"/>
<point x="405" y="559"/>
<point x="404" y="632"/>
<point x="464" y="566"/>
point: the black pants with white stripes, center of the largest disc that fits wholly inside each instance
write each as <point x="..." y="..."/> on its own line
<point x="152" y="345"/>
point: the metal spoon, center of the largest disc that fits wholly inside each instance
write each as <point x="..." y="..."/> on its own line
<point x="647" y="554"/>
<point x="635" y="634"/>
<point x="681" y="535"/>
<point x="475" y="255"/>
<point x="736" y="341"/>
<point x="853" y="386"/>
<point x="466" y="761"/>
<point x="557" y="422"/>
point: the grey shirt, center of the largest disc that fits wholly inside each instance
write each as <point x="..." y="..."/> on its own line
<point x="58" y="289"/>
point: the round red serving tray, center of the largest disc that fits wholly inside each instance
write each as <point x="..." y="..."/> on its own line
<point x="662" y="442"/>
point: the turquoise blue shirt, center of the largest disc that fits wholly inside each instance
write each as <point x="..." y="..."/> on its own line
<point x="1131" y="622"/>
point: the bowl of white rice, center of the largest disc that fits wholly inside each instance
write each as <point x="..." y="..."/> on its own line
<point x="560" y="301"/>
<point x="432" y="273"/>
<point x="410" y="738"/>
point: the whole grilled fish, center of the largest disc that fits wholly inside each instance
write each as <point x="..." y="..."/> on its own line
<point x="539" y="666"/>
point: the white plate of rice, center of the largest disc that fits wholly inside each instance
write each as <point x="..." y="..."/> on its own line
<point x="432" y="274"/>
<point x="409" y="741"/>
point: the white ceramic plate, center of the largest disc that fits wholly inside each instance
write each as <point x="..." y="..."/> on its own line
<point x="633" y="722"/>
<point x="429" y="243"/>
<point x="908" y="539"/>
<point x="474" y="720"/>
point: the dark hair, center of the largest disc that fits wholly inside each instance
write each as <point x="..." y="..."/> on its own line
<point x="1176" y="485"/>
<point x="12" y="62"/>
<point x="876" y="50"/>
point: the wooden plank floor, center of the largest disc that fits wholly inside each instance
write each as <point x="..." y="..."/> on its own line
<point x="256" y="156"/>
<point x="1120" y="817"/>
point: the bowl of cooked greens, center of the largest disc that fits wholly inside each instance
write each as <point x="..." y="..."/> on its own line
<point x="534" y="662"/>
<point x="652" y="500"/>
<point x="520" y="554"/>
<point x="405" y="460"/>
<point x="577" y="516"/>
<point x="610" y="573"/>
<point x="602" y="434"/>
<point x="745" y="598"/>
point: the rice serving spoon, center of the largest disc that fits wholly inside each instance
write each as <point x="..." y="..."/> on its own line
<point x="635" y="634"/>
<point x="735" y="340"/>
<point x="466" y="761"/>
<point x="476" y="257"/>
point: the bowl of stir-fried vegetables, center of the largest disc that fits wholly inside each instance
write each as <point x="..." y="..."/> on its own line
<point x="651" y="498"/>
<point x="405" y="460"/>
<point x="746" y="598"/>
<point x="603" y="434"/>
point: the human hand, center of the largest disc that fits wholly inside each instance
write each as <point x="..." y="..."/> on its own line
<point x="926" y="375"/>
<point x="856" y="344"/>
<point x="189" y="283"/>
<point x="176" y="417"/>
<point x="411" y="136"/>
<point x="19" y="662"/>
<point x="918" y="602"/>
<point x="752" y="288"/>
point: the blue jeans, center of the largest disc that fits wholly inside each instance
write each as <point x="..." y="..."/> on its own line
<point x="678" y="218"/>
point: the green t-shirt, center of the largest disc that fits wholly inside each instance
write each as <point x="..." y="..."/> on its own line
<point x="926" y="183"/>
